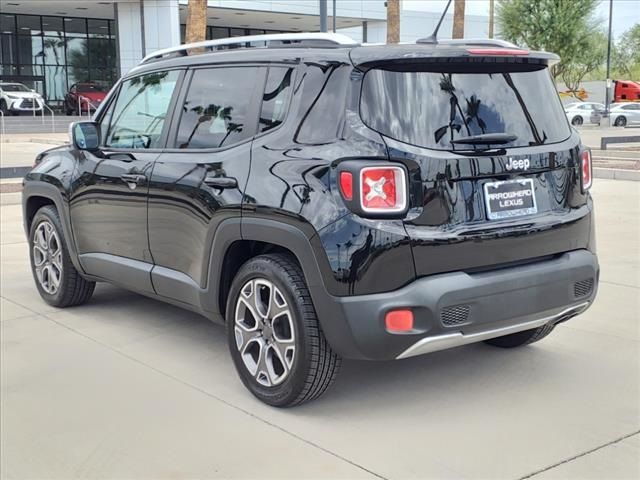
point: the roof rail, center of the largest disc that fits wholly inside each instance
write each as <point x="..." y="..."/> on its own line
<point x="480" y="42"/>
<point x="276" y="39"/>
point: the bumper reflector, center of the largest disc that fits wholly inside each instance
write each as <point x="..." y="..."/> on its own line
<point x="399" y="321"/>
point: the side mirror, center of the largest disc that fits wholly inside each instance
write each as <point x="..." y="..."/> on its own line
<point x="85" y="135"/>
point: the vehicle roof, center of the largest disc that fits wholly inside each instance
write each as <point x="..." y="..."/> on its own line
<point x="359" y="55"/>
<point x="246" y="55"/>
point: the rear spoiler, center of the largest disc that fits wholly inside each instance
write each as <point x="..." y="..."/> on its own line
<point x="449" y="52"/>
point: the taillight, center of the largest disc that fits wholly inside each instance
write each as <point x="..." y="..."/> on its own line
<point x="373" y="188"/>
<point x="586" y="170"/>
<point x="382" y="189"/>
<point x="346" y="185"/>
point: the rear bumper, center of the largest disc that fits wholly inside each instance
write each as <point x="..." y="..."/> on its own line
<point x="458" y="308"/>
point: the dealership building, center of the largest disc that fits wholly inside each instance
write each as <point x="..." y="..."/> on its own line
<point x="49" y="45"/>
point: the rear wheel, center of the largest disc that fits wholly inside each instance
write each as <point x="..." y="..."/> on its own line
<point x="522" y="338"/>
<point x="57" y="280"/>
<point x="577" y="121"/>
<point x="620" y="121"/>
<point x="274" y="336"/>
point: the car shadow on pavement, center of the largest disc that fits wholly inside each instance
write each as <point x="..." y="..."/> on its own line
<point x="411" y="384"/>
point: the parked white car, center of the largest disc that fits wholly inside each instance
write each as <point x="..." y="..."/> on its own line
<point x="16" y="98"/>
<point x="579" y="113"/>
<point x="623" y="114"/>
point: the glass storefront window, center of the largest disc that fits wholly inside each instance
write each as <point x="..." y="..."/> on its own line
<point x="219" y="32"/>
<point x="57" y="51"/>
<point x="31" y="70"/>
<point x="8" y="70"/>
<point x="7" y="23"/>
<point x="98" y="28"/>
<point x="52" y="26"/>
<point x="75" y="27"/>
<point x="29" y="25"/>
<point x="56" y="82"/>
<point x="77" y="52"/>
<point x="101" y="52"/>
<point x="30" y="49"/>
<point x="8" y="49"/>
<point x="53" y="50"/>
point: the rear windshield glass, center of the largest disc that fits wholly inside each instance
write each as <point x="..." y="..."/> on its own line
<point x="432" y="109"/>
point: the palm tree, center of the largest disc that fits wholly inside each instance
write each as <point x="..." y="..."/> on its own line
<point x="196" y="21"/>
<point x="458" y="19"/>
<point x="393" y="21"/>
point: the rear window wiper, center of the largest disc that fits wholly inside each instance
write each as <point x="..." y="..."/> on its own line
<point x="486" y="139"/>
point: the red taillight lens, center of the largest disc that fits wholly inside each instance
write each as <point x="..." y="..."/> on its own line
<point x="497" y="51"/>
<point x="346" y="185"/>
<point x="586" y="170"/>
<point x="399" y="321"/>
<point x="382" y="189"/>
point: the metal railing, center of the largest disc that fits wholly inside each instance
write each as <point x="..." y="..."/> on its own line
<point x="53" y="117"/>
<point x="2" y="134"/>
<point x="87" y="103"/>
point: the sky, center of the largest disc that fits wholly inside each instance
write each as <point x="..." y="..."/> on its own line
<point x="625" y="12"/>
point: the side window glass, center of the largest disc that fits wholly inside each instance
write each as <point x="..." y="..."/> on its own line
<point x="140" y="111"/>
<point x="217" y="108"/>
<point x="105" y="121"/>
<point x="275" y="100"/>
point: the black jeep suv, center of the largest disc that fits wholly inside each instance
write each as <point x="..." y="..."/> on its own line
<point x="326" y="200"/>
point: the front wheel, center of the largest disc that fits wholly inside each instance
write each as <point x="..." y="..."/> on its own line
<point x="57" y="280"/>
<point x="274" y="336"/>
<point x="577" y="121"/>
<point x="620" y="122"/>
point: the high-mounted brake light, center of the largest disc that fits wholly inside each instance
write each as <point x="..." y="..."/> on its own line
<point x="586" y="170"/>
<point x="383" y="189"/>
<point x="497" y="51"/>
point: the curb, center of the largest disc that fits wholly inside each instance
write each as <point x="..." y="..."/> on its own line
<point x="615" y="174"/>
<point x="46" y="141"/>
<point x="11" y="198"/>
<point x="14" y="172"/>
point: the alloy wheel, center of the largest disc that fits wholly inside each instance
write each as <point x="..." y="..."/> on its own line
<point x="47" y="257"/>
<point x="264" y="332"/>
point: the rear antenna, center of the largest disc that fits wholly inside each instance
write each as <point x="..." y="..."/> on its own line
<point x="433" y="38"/>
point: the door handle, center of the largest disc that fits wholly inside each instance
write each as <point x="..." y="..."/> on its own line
<point x="221" y="182"/>
<point x="133" y="179"/>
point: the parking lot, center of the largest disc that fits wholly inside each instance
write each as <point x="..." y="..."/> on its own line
<point x="128" y="387"/>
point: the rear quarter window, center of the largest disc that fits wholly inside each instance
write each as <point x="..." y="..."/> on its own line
<point x="430" y="109"/>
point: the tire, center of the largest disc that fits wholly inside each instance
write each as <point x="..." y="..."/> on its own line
<point x="49" y="250"/>
<point x="620" y="122"/>
<point x="3" y="107"/>
<point x="577" y="121"/>
<point x="522" y="338"/>
<point x="306" y="366"/>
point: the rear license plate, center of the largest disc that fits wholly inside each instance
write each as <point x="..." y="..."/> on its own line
<point x="510" y="198"/>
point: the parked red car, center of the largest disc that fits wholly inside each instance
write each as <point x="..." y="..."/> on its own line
<point x="83" y="98"/>
<point x="626" y="91"/>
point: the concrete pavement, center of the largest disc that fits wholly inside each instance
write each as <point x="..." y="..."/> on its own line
<point x="128" y="387"/>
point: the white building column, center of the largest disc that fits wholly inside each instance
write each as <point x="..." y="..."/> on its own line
<point x="145" y="26"/>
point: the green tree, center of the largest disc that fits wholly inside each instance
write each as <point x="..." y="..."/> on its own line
<point x="559" y="26"/>
<point x="626" y="54"/>
<point x="588" y="59"/>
